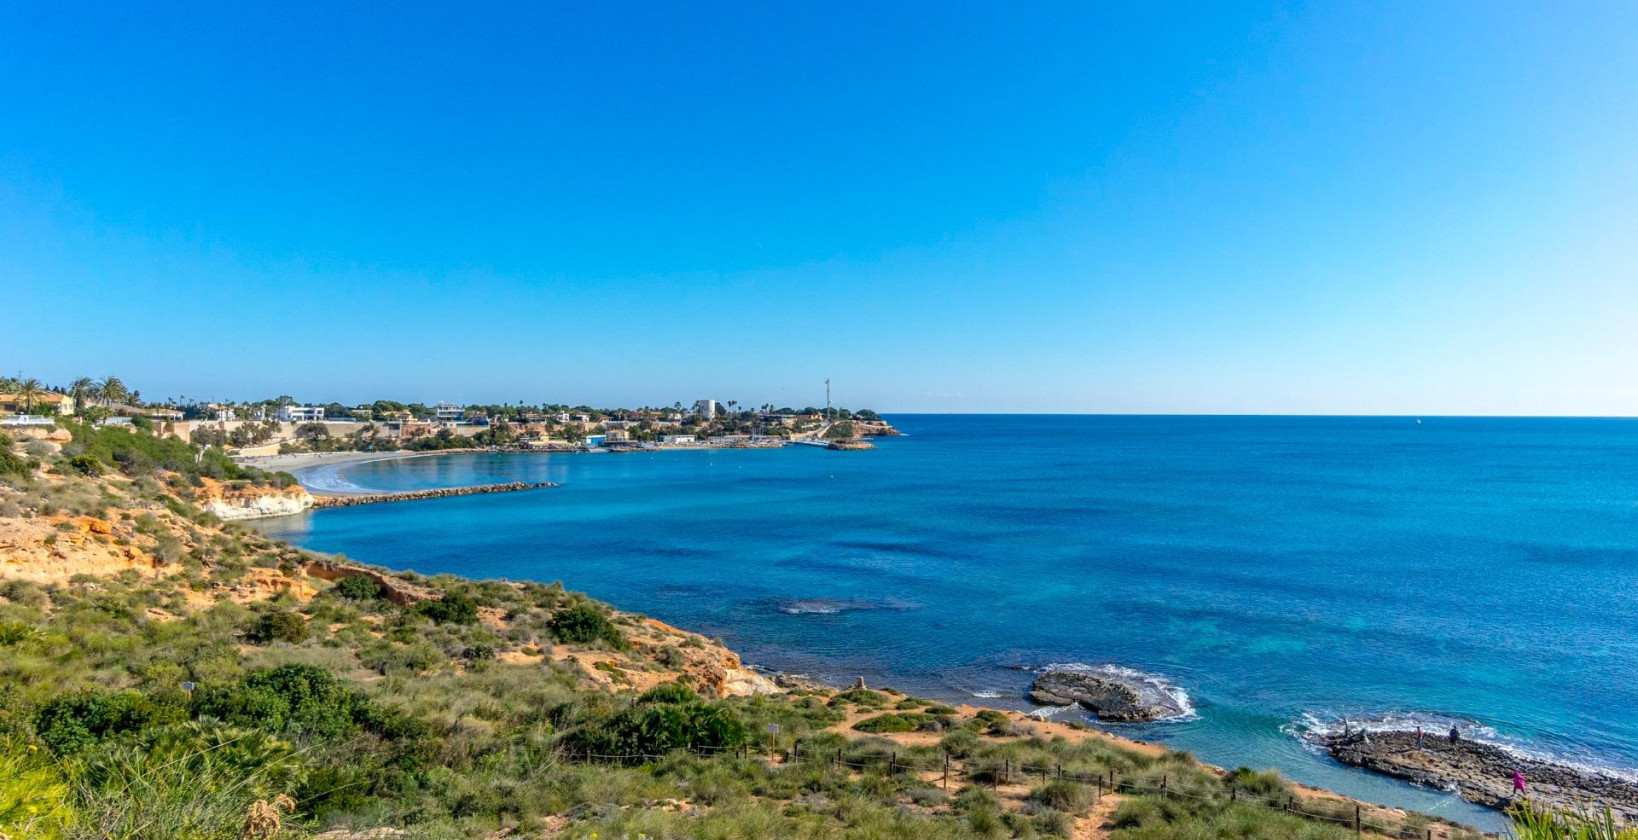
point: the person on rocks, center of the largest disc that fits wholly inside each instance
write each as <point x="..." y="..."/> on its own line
<point x="1518" y="784"/>
<point x="1418" y="736"/>
<point x="1455" y="735"/>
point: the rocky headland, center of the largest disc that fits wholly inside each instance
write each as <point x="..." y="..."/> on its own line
<point x="232" y="501"/>
<point x="1110" y="696"/>
<point x="1481" y="773"/>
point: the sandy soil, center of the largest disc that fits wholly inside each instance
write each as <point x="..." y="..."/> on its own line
<point x="294" y="463"/>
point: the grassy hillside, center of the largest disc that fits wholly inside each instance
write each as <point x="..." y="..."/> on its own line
<point x="163" y="675"/>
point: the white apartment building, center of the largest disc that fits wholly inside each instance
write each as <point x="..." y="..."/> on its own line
<point x="706" y="409"/>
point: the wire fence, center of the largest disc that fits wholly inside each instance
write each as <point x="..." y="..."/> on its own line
<point x="997" y="774"/>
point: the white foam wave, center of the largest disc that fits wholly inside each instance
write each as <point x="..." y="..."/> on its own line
<point x="988" y="694"/>
<point x="1157" y="682"/>
<point x="1311" y="727"/>
<point x="836" y="606"/>
<point x="327" y="479"/>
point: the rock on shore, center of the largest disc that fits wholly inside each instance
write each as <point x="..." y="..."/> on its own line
<point x="1481" y="773"/>
<point x="1110" y="696"/>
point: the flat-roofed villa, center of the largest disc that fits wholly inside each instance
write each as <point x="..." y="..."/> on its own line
<point x="300" y="414"/>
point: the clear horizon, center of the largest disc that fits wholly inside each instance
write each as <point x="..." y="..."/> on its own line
<point x="1337" y="209"/>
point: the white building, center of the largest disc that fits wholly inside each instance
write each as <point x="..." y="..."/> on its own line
<point x="300" y="414"/>
<point x="706" y="409"/>
<point x="445" y="411"/>
<point x="677" y="440"/>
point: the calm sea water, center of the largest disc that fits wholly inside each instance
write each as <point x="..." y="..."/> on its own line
<point x="1280" y="571"/>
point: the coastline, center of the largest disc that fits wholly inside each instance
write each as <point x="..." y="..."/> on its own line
<point x="657" y="653"/>
<point x="1427" y="785"/>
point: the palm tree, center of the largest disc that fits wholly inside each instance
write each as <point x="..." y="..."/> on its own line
<point x="112" y="390"/>
<point x="83" y="390"/>
<point x="30" y="390"/>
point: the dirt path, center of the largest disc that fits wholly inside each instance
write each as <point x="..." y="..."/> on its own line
<point x="1095" y="825"/>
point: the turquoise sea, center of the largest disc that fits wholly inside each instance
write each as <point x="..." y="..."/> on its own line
<point x="1278" y="572"/>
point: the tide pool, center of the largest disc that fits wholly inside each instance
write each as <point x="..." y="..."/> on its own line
<point x="1281" y="572"/>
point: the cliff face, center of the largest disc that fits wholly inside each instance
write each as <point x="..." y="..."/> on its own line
<point x="53" y="549"/>
<point x="233" y="503"/>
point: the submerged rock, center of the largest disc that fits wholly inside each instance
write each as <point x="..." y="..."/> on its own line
<point x="1110" y="696"/>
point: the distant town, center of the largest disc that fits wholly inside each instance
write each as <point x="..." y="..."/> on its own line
<point x="284" y="425"/>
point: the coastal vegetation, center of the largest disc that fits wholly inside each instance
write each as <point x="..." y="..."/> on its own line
<point x="165" y="675"/>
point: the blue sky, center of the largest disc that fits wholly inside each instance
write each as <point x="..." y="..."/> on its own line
<point x="1333" y="207"/>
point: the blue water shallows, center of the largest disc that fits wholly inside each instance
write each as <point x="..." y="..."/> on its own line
<point x="1281" y="571"/>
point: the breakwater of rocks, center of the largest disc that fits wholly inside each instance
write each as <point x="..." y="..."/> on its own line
<point x="1481" y="772"/>
<point x="414" y="495"/>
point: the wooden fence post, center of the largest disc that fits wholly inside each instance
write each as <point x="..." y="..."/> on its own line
<point x="1357" y="822"/>
<point x="946" y="780"/>
<point x="1163" y="779"/>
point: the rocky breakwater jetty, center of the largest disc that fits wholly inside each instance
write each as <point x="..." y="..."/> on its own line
<point x="1111" y="696"/>
<point x="414" y="495"/>
<point x="1481" y="773"/>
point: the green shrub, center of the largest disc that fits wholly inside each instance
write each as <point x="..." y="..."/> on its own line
<point x="893" y="722"/>
<point x="670" y="693"/>
<point x="1063" y="796"/>
<point x="453" y="608"/>
<point x="277" y="626"/>
<point x="583" y="624"/>
<point x="862" y="697"/>
<point x="668" y="717"/>
<point x="85" y="465"/>
<point x="360" y="588"/>
<point x="298" y="699"/>
<point x="15" y="632"/>
<point x="70" y="724"/>
<point x="13" y="464"/>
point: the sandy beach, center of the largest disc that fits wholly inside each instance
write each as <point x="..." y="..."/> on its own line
<point x="295" y="463"/>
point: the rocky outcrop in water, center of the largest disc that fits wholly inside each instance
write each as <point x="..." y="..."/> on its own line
<point x="413" y="495"/>
<point x="1481" y="773"/>
<point x="1111" y="697"/>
